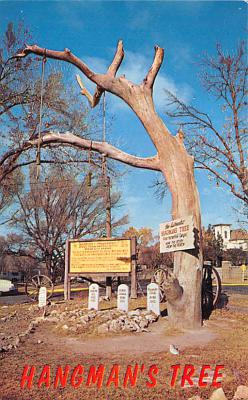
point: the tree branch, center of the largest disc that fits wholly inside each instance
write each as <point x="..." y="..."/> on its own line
<point x="225" y="181"/>
<point x="151" y="163"/>
<point x="103" y="81"/>
<point x="112" y="70"/>
<point x="153" y="71"/>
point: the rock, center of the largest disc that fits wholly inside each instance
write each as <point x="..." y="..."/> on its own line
<point x="143" y="323"/>
<point x="115" y="325"/>
<point x="17" y="341"/>
<point x="52" y="319"/>
<point x="151" y="317"/>
<point x="22" y="337"/>
<point x="39" y="341"/>
<point x="103" y="328"/>
<point x="65" y="327"/>
<point x="53" y="312"/>
<point x="84" y="319"/>
<point x="92" y="315"/>
<point x="134" y="313"/>
<point x="241" y="393"/>
<point x="130" y="326"/>
<point x="195" y="398"/>
<point x="218" y="394"/>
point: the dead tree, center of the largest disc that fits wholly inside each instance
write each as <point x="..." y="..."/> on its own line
<point x="172" y="159"/>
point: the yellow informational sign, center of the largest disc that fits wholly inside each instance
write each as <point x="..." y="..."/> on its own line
<point x="100" y="256"/>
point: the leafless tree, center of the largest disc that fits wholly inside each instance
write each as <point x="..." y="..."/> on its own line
<point x="16" y="255"/>
<point x="20" y="98"/>
<point x="153" y="259"/>
<point x="59" y="208"/>
<point x="172" y="159"/>
<point x="220" y="148"/>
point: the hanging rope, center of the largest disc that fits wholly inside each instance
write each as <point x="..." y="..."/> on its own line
<point x="89" y="175"/>
<point x="40" y="117"/>
<point x="104" y="160"/>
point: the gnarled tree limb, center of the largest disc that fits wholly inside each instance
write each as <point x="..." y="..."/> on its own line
<point x="151" y="163"/>
<point x="112" y="70"/>
<point x="103" y="81"/>
<point x="153" y="71"/>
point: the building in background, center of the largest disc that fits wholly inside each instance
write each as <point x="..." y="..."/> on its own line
<point x="232" y="239"/>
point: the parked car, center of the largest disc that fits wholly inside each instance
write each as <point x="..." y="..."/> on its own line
<point x="7" y="286"/>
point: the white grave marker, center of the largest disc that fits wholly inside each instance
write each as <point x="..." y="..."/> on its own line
<point x="42" y="296"/>
<point x="122" y="297"/>
<point x="153" y="298"/>
<point x="93" y="302"/>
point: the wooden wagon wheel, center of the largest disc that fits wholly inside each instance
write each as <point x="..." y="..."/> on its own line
<point x="211" y="287"/>
<point x="159" y="277"/>
<point x="33" y="286"/>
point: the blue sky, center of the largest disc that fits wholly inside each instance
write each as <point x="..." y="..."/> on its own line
<point x="185" y="30"/>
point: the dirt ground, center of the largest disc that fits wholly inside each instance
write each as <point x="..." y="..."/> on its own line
<point x="221" y="341"/>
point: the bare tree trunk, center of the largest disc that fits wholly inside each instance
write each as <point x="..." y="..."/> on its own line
<point x="184" y="291"/>
<point x="184" y="308"/>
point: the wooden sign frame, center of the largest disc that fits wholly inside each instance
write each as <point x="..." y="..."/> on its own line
<point x="132" y="272"/>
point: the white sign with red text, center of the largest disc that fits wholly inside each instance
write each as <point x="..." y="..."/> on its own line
<point x="177" y="235"/>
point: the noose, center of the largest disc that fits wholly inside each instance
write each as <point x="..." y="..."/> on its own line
<point x="40" y="117"/>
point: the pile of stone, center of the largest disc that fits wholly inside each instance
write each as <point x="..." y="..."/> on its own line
<point x="107" y="320"/>
<point x="219" y="394"/>
<point x="132" y="321"/>
<point x="79" y="321"/>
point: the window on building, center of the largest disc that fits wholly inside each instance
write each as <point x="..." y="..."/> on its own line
<point x="225" y="233"/>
